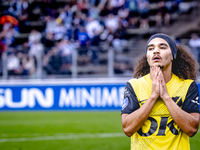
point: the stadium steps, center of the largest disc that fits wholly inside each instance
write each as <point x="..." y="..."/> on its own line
<point x="91" y="69"/>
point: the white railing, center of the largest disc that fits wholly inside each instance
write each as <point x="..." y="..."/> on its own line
<point x="74" y="71"/>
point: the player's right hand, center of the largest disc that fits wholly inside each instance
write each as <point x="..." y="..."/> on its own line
<point x="154" y="72"/>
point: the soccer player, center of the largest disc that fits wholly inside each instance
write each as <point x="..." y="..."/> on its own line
<point x="160" y="109"/>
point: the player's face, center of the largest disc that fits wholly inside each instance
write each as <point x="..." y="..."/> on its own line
<point x="159" y="53"/>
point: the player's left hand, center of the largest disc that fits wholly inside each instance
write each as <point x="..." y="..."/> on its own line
<point x="162" y="86"/>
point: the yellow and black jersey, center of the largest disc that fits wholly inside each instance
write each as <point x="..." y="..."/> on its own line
<point x="160" y="131"/>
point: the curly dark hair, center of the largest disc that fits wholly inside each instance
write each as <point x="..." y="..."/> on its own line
<point x="184" y="66"/>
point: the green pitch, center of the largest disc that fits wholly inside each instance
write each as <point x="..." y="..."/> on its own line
<point x="65" y="131"/>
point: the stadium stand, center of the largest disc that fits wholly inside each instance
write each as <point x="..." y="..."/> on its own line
<point x="69" y="38"/>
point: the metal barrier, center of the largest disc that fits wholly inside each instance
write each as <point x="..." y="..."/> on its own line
<point x="74" y="68"/>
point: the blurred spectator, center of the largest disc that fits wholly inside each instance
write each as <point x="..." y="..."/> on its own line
<point x="8" y="21"/>
<point x="132" y="7"/>
<point x="36" y="50"/>
<point x="7" y="34"/>
<point x="13" y="64"/>
<point x="83" y="19"/>
<point x="76" y="23"/>
<point x="94" y="48"/>
<point x="163" y="16"/>
<point x="59" y="31"/>
<point x="143" y="10"/>
<point x="83" y="37"/>
<point x="18" y="8"/>
<point x="50" y="9"/>
<point x="84" y="23"/>
<point x="28" y="63"/>
<point x="103" y="6"/>
<point x="66" y="16"/>
<point x="94" y="2"/>
<point x="24" y="48"/>
<point x="50" y="24"/>
<point x="83" y="6"/>
<point x="65" y="50"/>
<point x="93" y="27"/>
<point x="115" y="5"/>
<point x="119" y="41"/>
<point x="48" y="41"/>
<point x="123" y="14"/>
<point x="83" y="41"/>
<point x="194" y="43"/>
<point x="46" y="59"/>
<point x="53" y="62"/>
<point x="21" y="70"/>
<point x="33" y="37"/>
<point x="112" y="22"/>
<point x="93" y="11"/>
<point x="173" y="5"/>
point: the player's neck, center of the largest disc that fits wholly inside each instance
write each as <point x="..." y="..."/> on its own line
<point x="167" y="73"/>
<point x="167" y="76"/>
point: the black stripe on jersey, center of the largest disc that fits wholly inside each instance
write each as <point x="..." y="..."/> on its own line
<point x="133" y="104"/>
<point x="191" y="103"/>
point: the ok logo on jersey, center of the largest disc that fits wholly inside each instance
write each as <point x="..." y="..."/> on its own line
<point x="162" y="127"/>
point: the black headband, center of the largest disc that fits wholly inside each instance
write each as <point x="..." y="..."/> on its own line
<point x="168" y="39"/>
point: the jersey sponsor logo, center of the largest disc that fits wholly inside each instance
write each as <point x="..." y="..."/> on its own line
<point x="143" y="101"/>
<point x="161" y="128"/>
<point x="196" y="100"/>
<point x="125" y="103"/>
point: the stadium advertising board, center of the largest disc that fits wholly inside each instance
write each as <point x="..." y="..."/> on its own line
<point x="61" y="97"/>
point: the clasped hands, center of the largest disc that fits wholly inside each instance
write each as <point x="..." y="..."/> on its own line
<point x="159" y="88"/>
